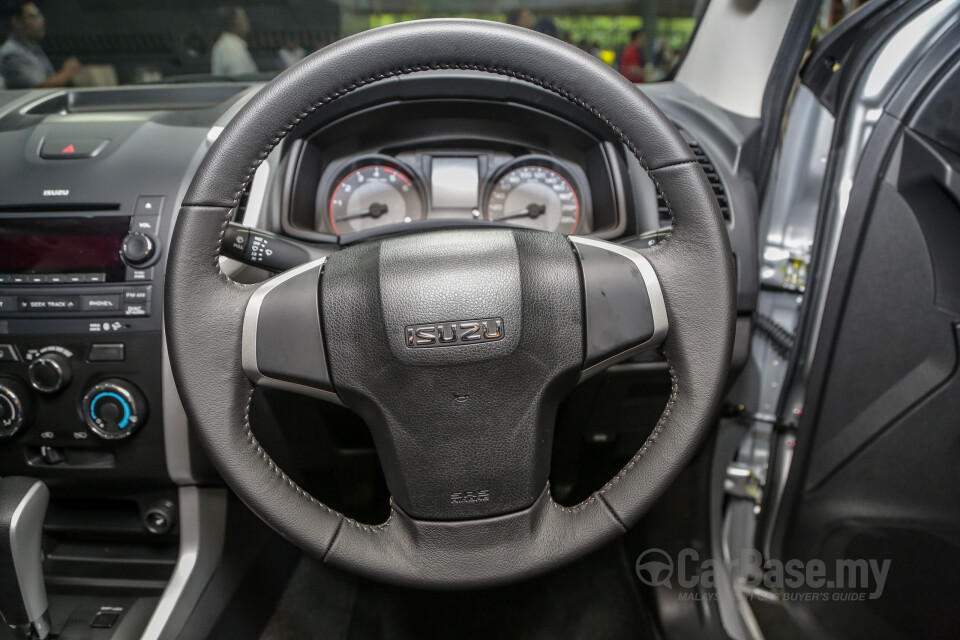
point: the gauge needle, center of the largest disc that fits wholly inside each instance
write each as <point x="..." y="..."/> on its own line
<point x="533" y="210"/>
<point x="375" y="211"/>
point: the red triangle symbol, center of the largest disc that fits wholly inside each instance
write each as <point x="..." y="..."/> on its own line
<point x="69" y="149"/>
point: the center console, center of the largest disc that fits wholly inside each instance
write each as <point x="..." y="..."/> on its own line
<point x="81" y="397"/>
<point x="87" y="404"/>
<point x="80" y="343"/>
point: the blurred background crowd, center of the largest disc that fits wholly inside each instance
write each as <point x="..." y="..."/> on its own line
<point x="50" y="43"/>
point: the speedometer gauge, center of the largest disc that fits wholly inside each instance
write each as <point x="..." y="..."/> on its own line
<point x="535" y="196"/>
<point x="374" y="195"/>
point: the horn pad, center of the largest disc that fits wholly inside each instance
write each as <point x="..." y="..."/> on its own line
<point x="456" y="347"/>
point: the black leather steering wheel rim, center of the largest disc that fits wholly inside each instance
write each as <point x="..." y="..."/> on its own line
<point x="204" y="311"/>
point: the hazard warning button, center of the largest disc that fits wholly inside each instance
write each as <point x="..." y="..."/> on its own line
<point x="72" y="148"/>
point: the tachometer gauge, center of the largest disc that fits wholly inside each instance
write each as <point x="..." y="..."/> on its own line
<point x="373" y="195"/>
<point x="535" y="196"/>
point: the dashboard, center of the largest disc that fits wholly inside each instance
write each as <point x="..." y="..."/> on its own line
<point x="92" y="185"/>
<point x="96" y="178"/>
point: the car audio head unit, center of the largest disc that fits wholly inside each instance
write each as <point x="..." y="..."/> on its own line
<point x="65" y="264"/>
<point x="75" y="249"/>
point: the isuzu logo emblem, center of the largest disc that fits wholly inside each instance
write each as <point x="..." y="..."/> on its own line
<point x="448" y="334"/>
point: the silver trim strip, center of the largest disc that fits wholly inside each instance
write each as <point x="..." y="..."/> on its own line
<point x="657" y="305"/>
<point x="176" y="441"/>
<point x="258" y="190"/>
<point x="27" y="520"/>
<point x="251" y="320"/>
<point x="203" y="524"/>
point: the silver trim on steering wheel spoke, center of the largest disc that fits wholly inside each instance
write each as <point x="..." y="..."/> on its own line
<point x="251" y="327"/>
<point x="658" y="307"/>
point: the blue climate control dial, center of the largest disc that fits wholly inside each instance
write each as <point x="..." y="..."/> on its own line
<point x="114" y="409"/>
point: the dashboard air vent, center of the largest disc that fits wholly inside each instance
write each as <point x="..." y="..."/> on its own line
<point x="712" y="175"/>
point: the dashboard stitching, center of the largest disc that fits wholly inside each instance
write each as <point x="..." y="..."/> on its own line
<point x="651" y="439"/>
<point x="263" y="455"/>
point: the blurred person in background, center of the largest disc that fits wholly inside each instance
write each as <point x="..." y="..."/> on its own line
<point x="664" y="60"/>
<point x="291" y="53"/>
<point x="230" y="55"/>
<point x="631" y="60"/>
<point x="547" y="27"/>
<point x="521" y="17"/>
<point x="23" y="64"/>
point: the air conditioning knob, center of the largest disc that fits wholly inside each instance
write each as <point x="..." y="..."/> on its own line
<point x="16" y="408"/>
<point x="137" y="249"/>
<point x="49" y="372"/>
<point x="114" y="409"/>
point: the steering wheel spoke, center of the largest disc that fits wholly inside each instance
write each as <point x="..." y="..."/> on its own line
<point x="282" y="345"/>
<point x="624" y="310"/>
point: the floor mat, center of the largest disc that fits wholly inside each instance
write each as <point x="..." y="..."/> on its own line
<point x="595" y="598"/>
<point x="317" y="603"/>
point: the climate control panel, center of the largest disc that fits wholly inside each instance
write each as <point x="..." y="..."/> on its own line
<point x="82" y="402"/>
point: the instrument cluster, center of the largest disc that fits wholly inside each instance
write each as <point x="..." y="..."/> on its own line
<point x="530" y="190"/>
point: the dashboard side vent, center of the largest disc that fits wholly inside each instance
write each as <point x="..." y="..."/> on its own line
<point x="712" y="175"/>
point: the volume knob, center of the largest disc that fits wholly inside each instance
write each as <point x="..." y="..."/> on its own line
<point x="137" y="249"/>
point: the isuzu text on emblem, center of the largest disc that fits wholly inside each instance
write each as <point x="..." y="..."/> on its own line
<point x="448" y="334"/>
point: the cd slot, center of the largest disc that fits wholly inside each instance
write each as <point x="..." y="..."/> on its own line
<point x="67" y="208"/>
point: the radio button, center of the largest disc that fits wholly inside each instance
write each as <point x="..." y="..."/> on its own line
<point x="8" y="304"/>
<point x="140" y="275"/>
<point x="18" y="279"/>
<point x="136" y="309"/>
<point x="136" y="294"/>
<point x="148" y="206"/>
<point x="94" y="277"/>
<point x="48" y="303"/>
<point x="56" y="278"/>
<point x="75" y="278"/>
<point x="100" y="302"/>
<point x="36" y="278"/>
<point x="5" y="278"/>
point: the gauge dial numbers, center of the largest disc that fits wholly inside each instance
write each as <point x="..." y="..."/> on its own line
<point x="535" y="196"/>
<point x="373" y="195"/>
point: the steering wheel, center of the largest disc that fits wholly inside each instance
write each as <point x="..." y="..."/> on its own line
<point x="454" y="346"/>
